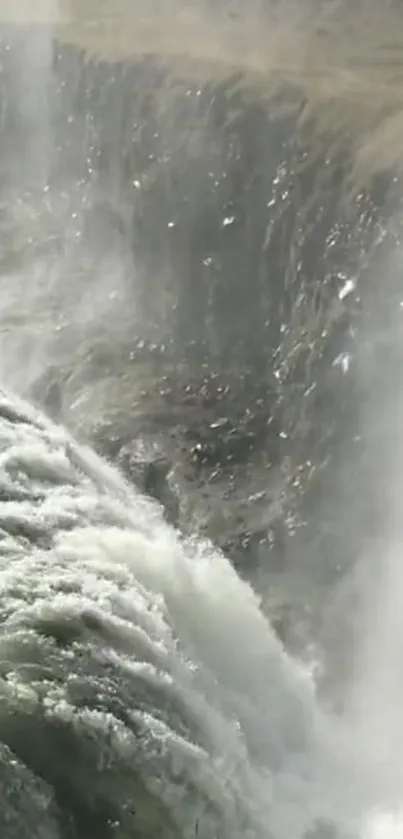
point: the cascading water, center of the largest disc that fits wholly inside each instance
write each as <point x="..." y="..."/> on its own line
<point x="140" y="681"/>
<point x="193" y="270"/>
<point x="32" y="58"/>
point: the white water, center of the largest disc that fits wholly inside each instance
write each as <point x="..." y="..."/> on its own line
<point x="176" y="618"/>
<point x="124" y="565"/>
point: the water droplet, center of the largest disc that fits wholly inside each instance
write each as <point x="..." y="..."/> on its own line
<point x="348" y="287"/>
<point x="343" y="361"/>
<point x="219" y="423"/>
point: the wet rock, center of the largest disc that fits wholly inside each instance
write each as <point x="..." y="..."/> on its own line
<point x="149" y="470"/>
<point x="225" y="367"/>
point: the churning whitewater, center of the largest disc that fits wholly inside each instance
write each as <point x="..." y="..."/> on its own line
<point x="143" y="693"/>
<point x="200" y="274"/>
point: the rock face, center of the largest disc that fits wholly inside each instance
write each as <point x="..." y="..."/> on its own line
<point x="211" y="297"/>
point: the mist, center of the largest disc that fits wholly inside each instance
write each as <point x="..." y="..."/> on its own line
<point x="200" y="276"/>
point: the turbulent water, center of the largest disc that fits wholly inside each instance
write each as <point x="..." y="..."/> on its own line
<point x="142" y="690"/>
<point x="200" y="282"/>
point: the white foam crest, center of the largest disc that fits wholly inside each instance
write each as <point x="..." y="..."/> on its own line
<point x="203" y="676"/>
